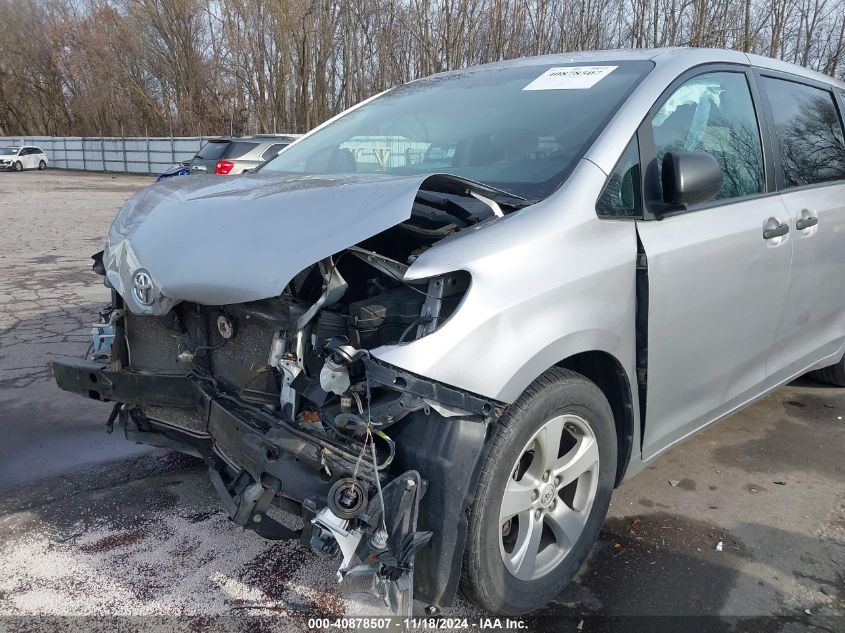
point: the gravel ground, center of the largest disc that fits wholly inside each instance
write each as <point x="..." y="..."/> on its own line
<point x="91" y="525"/>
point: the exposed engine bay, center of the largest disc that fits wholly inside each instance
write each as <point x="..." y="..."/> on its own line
<point x="283" y="400"/>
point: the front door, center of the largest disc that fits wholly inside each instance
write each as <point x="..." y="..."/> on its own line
<point x="718" y="274"/>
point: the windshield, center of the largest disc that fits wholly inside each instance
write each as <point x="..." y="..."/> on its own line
<point x="8" y="151"/>
<point x="520" y="129"/>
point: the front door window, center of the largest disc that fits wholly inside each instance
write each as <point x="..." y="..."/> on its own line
<point x="714" y="113"/>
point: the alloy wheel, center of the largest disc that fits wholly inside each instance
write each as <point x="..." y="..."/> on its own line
<point x="548" y="497"/>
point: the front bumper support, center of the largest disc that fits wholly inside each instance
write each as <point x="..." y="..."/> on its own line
<point x="233" y="442"/>
<point x="252" y="459"/>
<point x="95" y="380"/>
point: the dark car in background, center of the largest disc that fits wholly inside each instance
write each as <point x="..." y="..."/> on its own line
<point x="177" y="169"/>
<point x="230" y="156"/>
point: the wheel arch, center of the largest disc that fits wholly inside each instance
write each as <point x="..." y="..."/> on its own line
<point x="610" y="377"/>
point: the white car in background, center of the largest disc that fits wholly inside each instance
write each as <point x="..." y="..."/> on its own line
<point x="20" y="158"/>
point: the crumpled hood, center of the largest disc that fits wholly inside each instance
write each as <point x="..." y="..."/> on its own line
<point x="218" y="241"/>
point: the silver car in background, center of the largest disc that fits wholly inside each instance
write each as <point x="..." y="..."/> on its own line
<point x="443" y="326"/>
<point x="237" y="155"/>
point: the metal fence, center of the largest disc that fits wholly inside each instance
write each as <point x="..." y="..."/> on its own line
<point x="130" y="155"/>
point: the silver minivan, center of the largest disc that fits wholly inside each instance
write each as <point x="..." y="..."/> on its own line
<point x="443" y="326"/>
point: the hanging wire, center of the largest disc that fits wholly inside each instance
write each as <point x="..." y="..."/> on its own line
<point x="375" y="459"/>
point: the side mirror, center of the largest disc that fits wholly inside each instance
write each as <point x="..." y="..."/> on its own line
<point x="689" y="178"/>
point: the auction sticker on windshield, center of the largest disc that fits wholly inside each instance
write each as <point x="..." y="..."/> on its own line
<point x="570" y="78"/>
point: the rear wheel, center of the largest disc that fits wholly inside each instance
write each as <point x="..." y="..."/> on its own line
<point x="833" y="375"/>
<point x="543" y="494"/>
<point x="42" y="165"/>
<point x="18" y="166"/>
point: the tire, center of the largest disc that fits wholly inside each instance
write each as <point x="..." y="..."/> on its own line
<point x="559" y="399"/>
<point x="42" y="165"/>
<point x="833" y="375"/>
<point x="18" y="166"/>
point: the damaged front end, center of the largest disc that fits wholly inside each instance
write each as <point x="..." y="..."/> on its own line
<point x="277" y="388"/>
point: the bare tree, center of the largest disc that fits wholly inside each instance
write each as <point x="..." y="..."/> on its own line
<point x="123" y="67"/>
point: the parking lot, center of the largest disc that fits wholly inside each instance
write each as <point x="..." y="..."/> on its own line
<point x="91" y="524"/>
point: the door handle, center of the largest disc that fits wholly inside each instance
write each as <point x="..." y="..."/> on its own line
<point x="806" y="222"/>
<point x="778" y="231"/>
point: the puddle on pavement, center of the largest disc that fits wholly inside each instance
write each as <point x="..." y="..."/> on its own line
<point x="778" y="447"/>
<point x="654" y="564"/>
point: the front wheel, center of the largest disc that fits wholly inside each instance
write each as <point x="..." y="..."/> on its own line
<point x="42" y="165"/>
<point x="543" y="494"/>
<point x="18" y="166"/>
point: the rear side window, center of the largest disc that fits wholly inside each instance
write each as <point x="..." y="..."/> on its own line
<point x="213" y="150"/>
<point x="621" y="195"/>
<point x="714" y="113"/>
<point x="274" y="149"/>
<point x="809" y="132"/>
<point x="239" y="148"/>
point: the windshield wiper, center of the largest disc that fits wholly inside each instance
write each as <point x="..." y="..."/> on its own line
<point x="449" y="183"/>
<point x="439" y="201"/>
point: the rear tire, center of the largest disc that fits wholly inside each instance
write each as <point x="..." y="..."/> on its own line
<point x="833" y="375"/>
<point x="565" y="485"/>
<point x="18" y="166"/>
<point x="42" y="165"/>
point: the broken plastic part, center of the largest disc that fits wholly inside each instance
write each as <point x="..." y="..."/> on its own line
<point x="383" y="564"/>
<point x="333" y="289"/>
<point x="334" y="377"/>
<point x="389" y="267"/>
<point x="347" y="539"/>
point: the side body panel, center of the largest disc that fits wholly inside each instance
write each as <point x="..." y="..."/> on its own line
<point x="813" y="324"/>
<point x="716" y="293"/>
<point x="812" y="331"/>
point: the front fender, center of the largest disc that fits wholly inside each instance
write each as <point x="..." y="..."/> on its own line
<point x="549" y="281"/>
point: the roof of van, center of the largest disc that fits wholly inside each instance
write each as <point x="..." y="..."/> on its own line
<point x="691" y="56"/>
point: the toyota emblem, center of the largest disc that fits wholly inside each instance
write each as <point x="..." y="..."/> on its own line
<point x="143" y="287"/>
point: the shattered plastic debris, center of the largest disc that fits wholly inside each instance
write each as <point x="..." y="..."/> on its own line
<point x="719" y="546"/>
